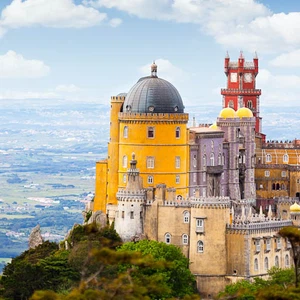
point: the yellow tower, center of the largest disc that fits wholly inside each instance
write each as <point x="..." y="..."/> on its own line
<point x="150" y="121"/>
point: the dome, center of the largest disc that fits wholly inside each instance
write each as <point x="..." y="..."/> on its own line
<point x="227" y="112"/>
<point x="153" y="95"/>
<point x="244" y="112"/>
<point x="214" y="126"/>
<point x="295" y="208"/>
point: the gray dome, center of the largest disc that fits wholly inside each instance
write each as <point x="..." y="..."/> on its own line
<point x="153" y="95"/>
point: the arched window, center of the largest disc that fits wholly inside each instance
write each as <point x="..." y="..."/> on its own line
<point x="285" y="158"/>
<point x="266" y="264"/>
<point x="212" y="145"/>
<point x="185" y="239"/>
<point x="150" y="179"/>
<point x="186" y="217"/>
<point x="212" y="159"/>
<point x="255" y="264"/>
<point x="124" y="162"/>
<point x="168" y="238"/>
<point x="277" y="186"/>
<point x="220" y="159"/>
<point x="287" y="260"/>
<point x="204" y="160"/>
<point x="282" y="186"/>
<point x="249" y="104"/>
<point x="276" y="261"/>
<point x="195" y="161"/>
<point x="177" y="134"/>
<point x="200" y="247"/>
<point x="268" y="158"/>
<point x="125" y="132"/>
<point x="231" y="104"/>
<point x="273" y="186"/>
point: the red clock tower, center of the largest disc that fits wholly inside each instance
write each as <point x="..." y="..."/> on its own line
<point x="241" y="90"/>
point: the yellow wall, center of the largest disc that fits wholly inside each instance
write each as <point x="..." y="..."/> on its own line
<point x="164" y="147"/>
<point x="100" y="186"/>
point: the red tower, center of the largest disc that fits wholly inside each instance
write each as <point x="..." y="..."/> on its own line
<point x="241" y="91"/>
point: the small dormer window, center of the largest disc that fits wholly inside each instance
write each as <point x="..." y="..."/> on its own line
<point x="176" y="108"/>
<point x="151" y="108"/>
<point x="128" y="107"/>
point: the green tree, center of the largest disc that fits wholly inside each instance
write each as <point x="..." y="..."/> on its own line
<point x="175" y="274"/>
<point x="293" y="235"/>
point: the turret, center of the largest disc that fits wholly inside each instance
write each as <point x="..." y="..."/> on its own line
<point x="226" y="63"/>
<point x="255" y="62"/>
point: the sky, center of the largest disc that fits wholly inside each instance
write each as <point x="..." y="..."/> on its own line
<point x="89" y="50"/>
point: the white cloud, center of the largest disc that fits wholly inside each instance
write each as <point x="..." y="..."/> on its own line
<point x="22" y="95"/>
<point x="290" y="59"/>
<point x="13" y="65"/>
<point x="232" y="23"/>
<point x="49" y="13"/>
<point x="115" y="22"/>
<point x="70" y="88"/>
<point x="166" y="70"/>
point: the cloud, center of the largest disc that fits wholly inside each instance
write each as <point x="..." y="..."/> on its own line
<point x="166" y="70"/>
<point x="13" y="65"/>
<point x="115" y="22"/>
<point x="231" y="23"/>
<point x="22" y="95"/>
<point x="49" y="13"/>
<point x="290" y="59"/>
<point x="71" y="88"/>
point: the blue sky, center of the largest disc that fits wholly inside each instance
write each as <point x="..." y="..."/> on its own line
<point x="90" y="50"/>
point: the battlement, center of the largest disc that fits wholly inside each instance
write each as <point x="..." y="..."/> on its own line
<point x="238" y="92"/>
<point x="135" y="196"/>
<point x="182" y="117"/>
<point x="272" y="144"/>
<point x="267" y="224"/>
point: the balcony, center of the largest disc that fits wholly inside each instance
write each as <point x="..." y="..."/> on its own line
<point x="236" y="92"/>
<point x="214" y="169"/>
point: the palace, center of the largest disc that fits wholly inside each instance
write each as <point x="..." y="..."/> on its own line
<point x="198" y="187"/>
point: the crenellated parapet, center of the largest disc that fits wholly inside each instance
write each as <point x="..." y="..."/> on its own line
<point x="212" y="202"/>
<point x="129" y="196"/>
<point x="267" y="224"/>
<point x="153" y="117"/>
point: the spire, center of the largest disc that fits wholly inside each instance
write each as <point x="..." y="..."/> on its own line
<point x="241" y="54"/>
<point x="154" y="69"/>
<point x="194" y="122"/>
<point x="255" y="55"/>
<point x="227" y="55"/>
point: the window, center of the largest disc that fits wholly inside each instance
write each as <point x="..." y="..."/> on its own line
<point x="267" y="173"/>
<point x="150" y="179"/>
<point x="231" y="104"/>
<point x="298" y="180"/>
<point x="204" y="160"/>
<point x="199" y="225"/>
<point x="283" y="174"/>
<point x="287" y="260"/>
<point x="285" y="158"/>
<point x="212" y="159"/>
<point x="177" y="179"/>
<point x="266" y="264"/>
<point x="220" y="159"/>
<point x="177" y="162"/>
<point x="124" y="161"/>
<point x="200" y="247"/>
<point x="255" y="264"/>
<point x="195" y="177"/>
<point x="257" y="245"/>
<point x="212" y="145"/>
<point x="204" y="177"/>
<point x="268" y="244"/>
<point x="168" y="238"/>
<point x="123" y="214"/>
<point x="186" y="217"/>
<point x="150" y="133"/>
<point x="268" y="158"/>
<point x="278" y="243"/>
<point x="125" y="132"/>
<point x="204" y="192"/>
<point x="195" y="161"/>
<point x="249" y="104"/>
<point x="177" y="134"/>
<point x="276" y="261"/>
<point x="131" y="215"/>
<point x="124" y="178"/>
<point x="150" y="162"/>
<point x="185" y="239"/>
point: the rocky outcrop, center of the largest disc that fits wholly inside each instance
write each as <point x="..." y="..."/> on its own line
<point x="35" y="237"/>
